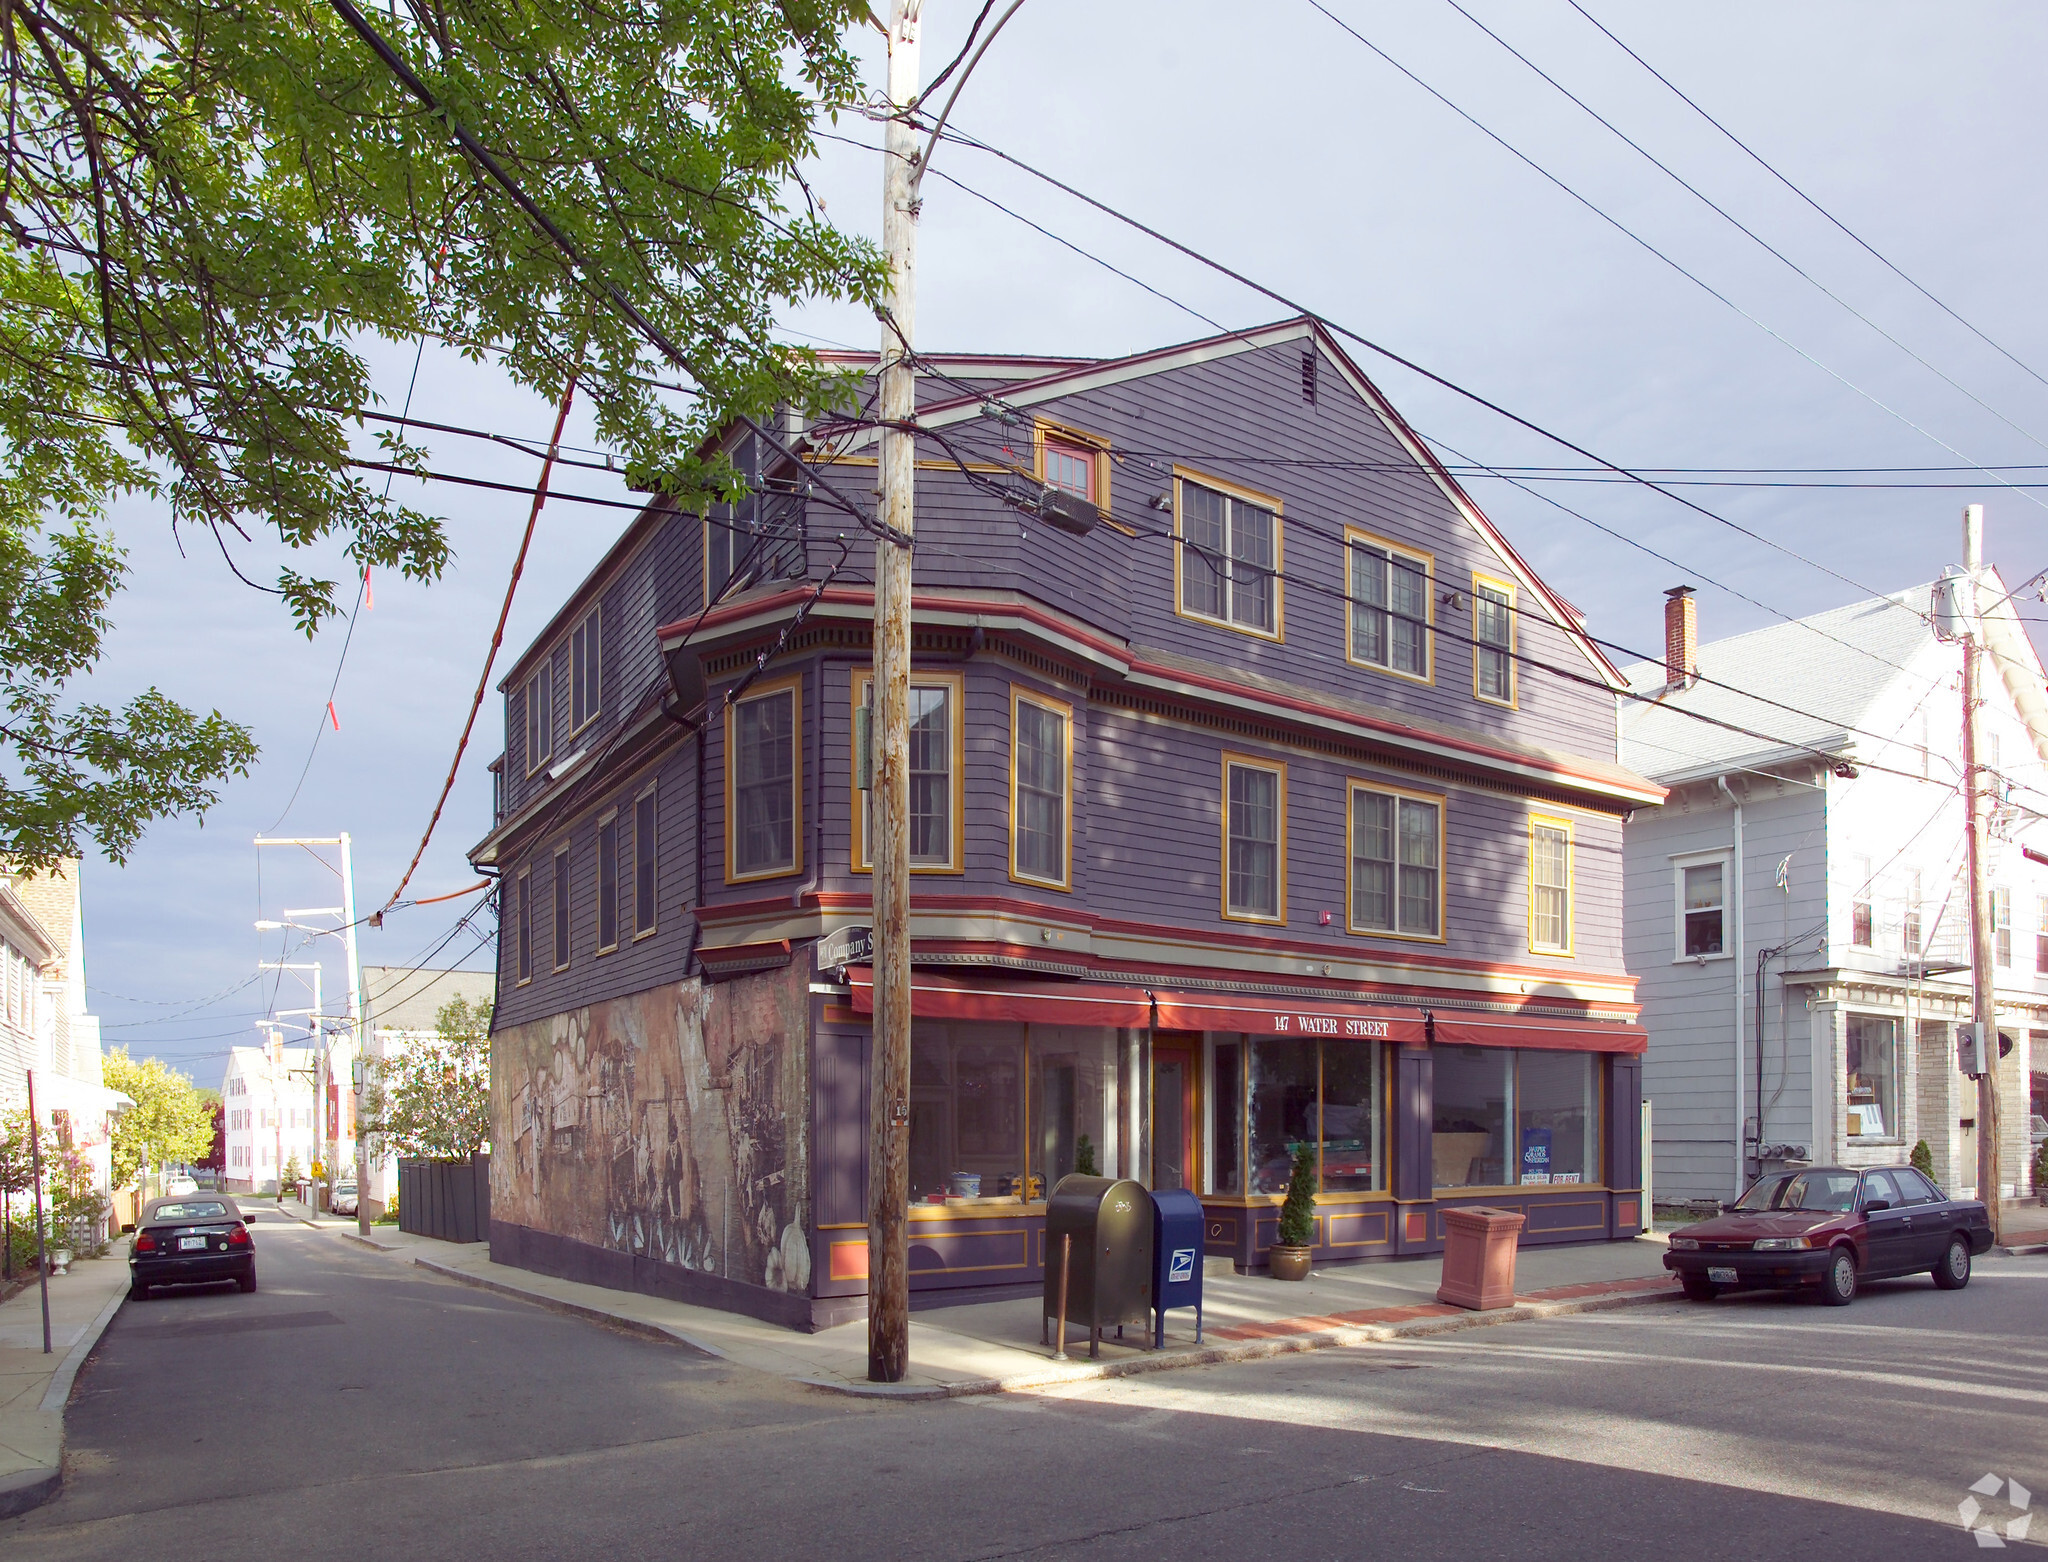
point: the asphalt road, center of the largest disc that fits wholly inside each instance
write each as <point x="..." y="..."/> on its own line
<point x="357" y="1407"/>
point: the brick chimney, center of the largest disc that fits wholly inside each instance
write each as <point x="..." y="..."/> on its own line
<point x="1681" y="637"/>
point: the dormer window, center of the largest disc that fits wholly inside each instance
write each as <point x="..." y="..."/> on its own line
<point x="1070" y="468"/>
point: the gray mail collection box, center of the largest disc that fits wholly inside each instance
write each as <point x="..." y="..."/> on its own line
<point x="1110" y="1281"/>
<point x="1177" y="1226"/>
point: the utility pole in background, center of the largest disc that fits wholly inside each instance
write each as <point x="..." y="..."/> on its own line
<point x="1983" y="968"/>
<point x="889" y="800"/>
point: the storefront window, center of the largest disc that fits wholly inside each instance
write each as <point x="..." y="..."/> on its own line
<point x="1508" y="1118"/>
<point x="1873" y="1073"/>
<point x="1475" y="1089"/>
<point x="1558" y="1107"/>
<point x="966" y="1110"/>
<point x="1315" y="1092"/>
<point x="1073" y="1093"/>
<point x="1226" y="1117"/>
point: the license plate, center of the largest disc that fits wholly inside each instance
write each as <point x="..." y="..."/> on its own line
<point x="187" y="1244"/>
<point x="1721" y="1276"/>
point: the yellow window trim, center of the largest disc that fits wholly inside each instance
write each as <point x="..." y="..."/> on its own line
<point x="1278" y="632"/>
<point x="595" y="617"/>
<point x="793" y="685"/>
<point x="1277" y="767"/>
<point x="609" y="816"/>
<point x="1438" y="800"/>
<point x="561" y="858"/>
<point x="957" y="683"/>
<point x="1571" y="885"/>
<point x="1019" y="695"/>
<point x="1507" y="588"/>
<point x="651" y="789"/>
<point x="1416" y="555"/>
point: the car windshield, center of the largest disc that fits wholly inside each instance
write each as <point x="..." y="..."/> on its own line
<point x="1828" y="1192"/>
<point x="195" y="1209"/>
<point x="1762" y="1193"/>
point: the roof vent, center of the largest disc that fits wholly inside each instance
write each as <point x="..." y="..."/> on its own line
<point x="1308" y="375"/>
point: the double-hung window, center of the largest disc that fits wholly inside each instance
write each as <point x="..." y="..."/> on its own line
<point x="646" y="838"/>
<point x="2001" y="925"/>
<point x="1493" y="640"/>
<point x="583" y="670"/>
<point x="1390" y="607"/>
<point x="1910" y="935"/>
<point x="763" y="808"/>
<point x="1550" y="886"/>
<point x="522" y="890"/>
<point x="1041" y="790"/>
<point x="608" y="882"/>
<point x="1229" y="558"/>
<point x="1862" y="929"/>
<point x="937" y="756"/>
<point x="1396" y="851"/>
<point x="1702" y="894"/>
<point x="540" y="716"/>
<point x="561" y="901"/>
<point x="1254" y="840"/>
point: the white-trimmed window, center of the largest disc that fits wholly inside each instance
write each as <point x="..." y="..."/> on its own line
<point x="646" y="882"/>
<point x="1254" y="839"/>
<point x="583" y="670"/>
<point x="1550" y="885"/>
<point x="763" y="783"/>
<point x="1493" y="640"/>
<point x="1390" y="606"/>
<point x="608" y="882"/>
<point x="540" y="716"/>
<point x="937" y="756"/>
<point x="1041" y="789"/>
<point x="1862" y="914"/>
<point x="1395" y="846"/>
<point x="1699" y="890"/>
<point x="1229" y="556"/>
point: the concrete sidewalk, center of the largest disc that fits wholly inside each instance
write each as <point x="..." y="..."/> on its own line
<point x="990" y="1347"/>
<point x="34" y="1387"/>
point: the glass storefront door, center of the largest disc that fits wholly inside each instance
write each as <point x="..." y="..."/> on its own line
<point x="1176" y="1070"/>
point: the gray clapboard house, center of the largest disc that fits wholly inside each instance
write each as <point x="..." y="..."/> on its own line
<point x="1281" y="807"/>
<point x="1797" y="919"/>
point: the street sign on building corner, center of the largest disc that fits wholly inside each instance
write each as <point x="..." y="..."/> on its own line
<point x="845" y="946"/>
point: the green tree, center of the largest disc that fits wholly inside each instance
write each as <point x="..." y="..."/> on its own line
<point x="19" y="1139"/>
<point x="434" y="1099"/>
<point x="1298" y="1210"/>
<point x="214" y="208"/>
<point x="169" y="1121"/>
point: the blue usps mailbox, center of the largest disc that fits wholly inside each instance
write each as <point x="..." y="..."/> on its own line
<point x="1176" y="1258"/>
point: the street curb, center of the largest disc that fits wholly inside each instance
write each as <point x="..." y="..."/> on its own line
<point x="652" y="1331"/>
<point x="1088" y="1372"/>
<point x="335" y="1231"/>
<point x="2025" y="1250"/>
<point x="26" y="1489"/>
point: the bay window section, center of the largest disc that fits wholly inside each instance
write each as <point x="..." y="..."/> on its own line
<point x="936" y="753"/>
<point x="762" y="784"/>
<point x="1041" y="789"/>
<point x="1872" y="1076"/>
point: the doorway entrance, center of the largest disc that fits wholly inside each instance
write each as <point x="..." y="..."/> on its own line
<point x="1176" y="1117"/>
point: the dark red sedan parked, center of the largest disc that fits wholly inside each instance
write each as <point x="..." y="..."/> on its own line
<point x="1832" y="1227"/>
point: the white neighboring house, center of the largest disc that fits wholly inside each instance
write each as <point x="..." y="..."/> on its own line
<point x="400" y="1006"/>
<point x="44" y="1022"/>
<point x="267" y="1098"/>
<point x="1798" y="903"/>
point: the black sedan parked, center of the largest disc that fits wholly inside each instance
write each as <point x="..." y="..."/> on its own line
<point x="193" y="1239"/>
<point x="1831" y="1228"/>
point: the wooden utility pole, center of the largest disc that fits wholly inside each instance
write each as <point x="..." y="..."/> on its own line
<point x="1983" y="966"/>
<point x="889" y="1074"/>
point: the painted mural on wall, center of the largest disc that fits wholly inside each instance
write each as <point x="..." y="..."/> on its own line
<point x="668" y="1124"/>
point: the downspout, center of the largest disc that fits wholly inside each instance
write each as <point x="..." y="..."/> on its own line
<point x="1735" y="940"/>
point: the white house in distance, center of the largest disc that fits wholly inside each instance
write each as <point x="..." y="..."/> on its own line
<point x="267" y="1096"/>
<point x="401" y="1006"/>
<point x="44" y="1022"/>
<point x="1796" y="912"/>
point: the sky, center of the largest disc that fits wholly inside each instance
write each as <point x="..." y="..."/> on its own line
<point x="1269" y="139"/>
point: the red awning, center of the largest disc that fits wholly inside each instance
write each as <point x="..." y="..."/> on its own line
<point x="1538" y="1030"/>
<point x="1003" y="996"/>
<point x="1258" y="1016"/>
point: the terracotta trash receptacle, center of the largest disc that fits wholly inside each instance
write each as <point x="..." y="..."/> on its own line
<point x="1479" y="1257"/>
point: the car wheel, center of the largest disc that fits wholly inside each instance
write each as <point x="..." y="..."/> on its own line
<point x="137" y="1291"/>
<point x="1838" y="1285"/>
<point x="247" y="1282"/>
<point x="1953" y="1272"/>
<point x="1698" y="1288"/>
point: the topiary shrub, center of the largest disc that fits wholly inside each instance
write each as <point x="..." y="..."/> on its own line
<point x="1084" y="1158"/>
<point x="1922" y="1160"/>
<point x="1298" y="1214"/>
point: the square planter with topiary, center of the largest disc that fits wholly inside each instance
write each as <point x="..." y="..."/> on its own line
<point x="1288" y="1258"/>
